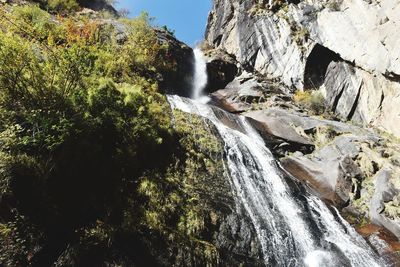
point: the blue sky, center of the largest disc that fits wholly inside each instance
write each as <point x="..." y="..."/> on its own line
<point x="187" y="17"/>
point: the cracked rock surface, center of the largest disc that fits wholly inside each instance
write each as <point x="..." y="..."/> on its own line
<point x="342" y="57"/>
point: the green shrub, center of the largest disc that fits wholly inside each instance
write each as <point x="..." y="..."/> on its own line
<point x="87" y="150"/>
<point x="63" y="6"/>
<point x="313" y="101"/>
<point x="31" y="22"/>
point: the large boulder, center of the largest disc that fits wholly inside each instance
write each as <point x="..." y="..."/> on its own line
<point x="248" y="91"/>
<point x="335" y="183"/>
<point x="299" y="132"/>
<point x="238" y="95"/>
<point x="362" y="97"/>
<point x="384" y="193"/>
<point x="221" y="69"/>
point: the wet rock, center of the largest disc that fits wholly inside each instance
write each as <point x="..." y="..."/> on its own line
<point x="239" y="94"/>
<point x="236" y="237"/>
<point x="384" y="242"/>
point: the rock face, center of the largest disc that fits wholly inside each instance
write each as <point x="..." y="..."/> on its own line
<point x="308" y="44"/>
<point x="260" y="43"/>
<point x="98" y="5"/>
<point x="360" y="96"/>
<point x="179" y="80"/>
<point x="347" y="51"/>
<point x="345" y="33"/>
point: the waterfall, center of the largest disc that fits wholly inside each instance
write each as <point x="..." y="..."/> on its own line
<point x="294" y="227"/>
<point x="200" y="76"/>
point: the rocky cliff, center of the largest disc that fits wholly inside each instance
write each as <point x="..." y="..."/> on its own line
<point x="346" y="47"/>
<point x="320" y="80"/>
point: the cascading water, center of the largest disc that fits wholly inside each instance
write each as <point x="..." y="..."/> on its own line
<point x="294" y="227"/>
<point x="200" y="76"/>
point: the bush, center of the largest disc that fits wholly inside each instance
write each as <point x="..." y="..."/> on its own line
<point x="31" y="22"/>
<point x="313" y="101"/>
<point x="62" y="6"/>
<point x="87" y="152"/>
<point x="78" y="128"/>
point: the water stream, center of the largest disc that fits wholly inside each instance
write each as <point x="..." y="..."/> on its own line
<point x="200" y="76"/>
<point x="294" y="227"/>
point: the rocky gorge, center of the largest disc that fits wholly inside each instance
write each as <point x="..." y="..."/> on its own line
<point x="319" y="80"/>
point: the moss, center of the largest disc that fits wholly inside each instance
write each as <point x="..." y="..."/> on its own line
<point x="178" y="202"/>
<point x="362" y="204"/>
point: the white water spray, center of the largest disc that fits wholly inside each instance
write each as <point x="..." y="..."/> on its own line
<point x="200" y="76"/>
<point x="292" y="230"/>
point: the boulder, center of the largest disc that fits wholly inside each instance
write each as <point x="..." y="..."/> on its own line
<point x="269" y="124"/>
<point x="362" y="97"/>
<point x="221" y="70"/>
<point x="239" y="94"/>
<point x="305" y="122"/>
<point x="336" y="183"/>
<point x="248" y="91"/>
<point x="383" y="193"/>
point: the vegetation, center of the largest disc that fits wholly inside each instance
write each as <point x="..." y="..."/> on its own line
<point x="301" y="34"/>
<point x="90" y="162"/>
<point x="334" y="5"/>
<point x="310" y="100"/>
<point x="262" y="5"/>
<point x="59" y="6"/>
